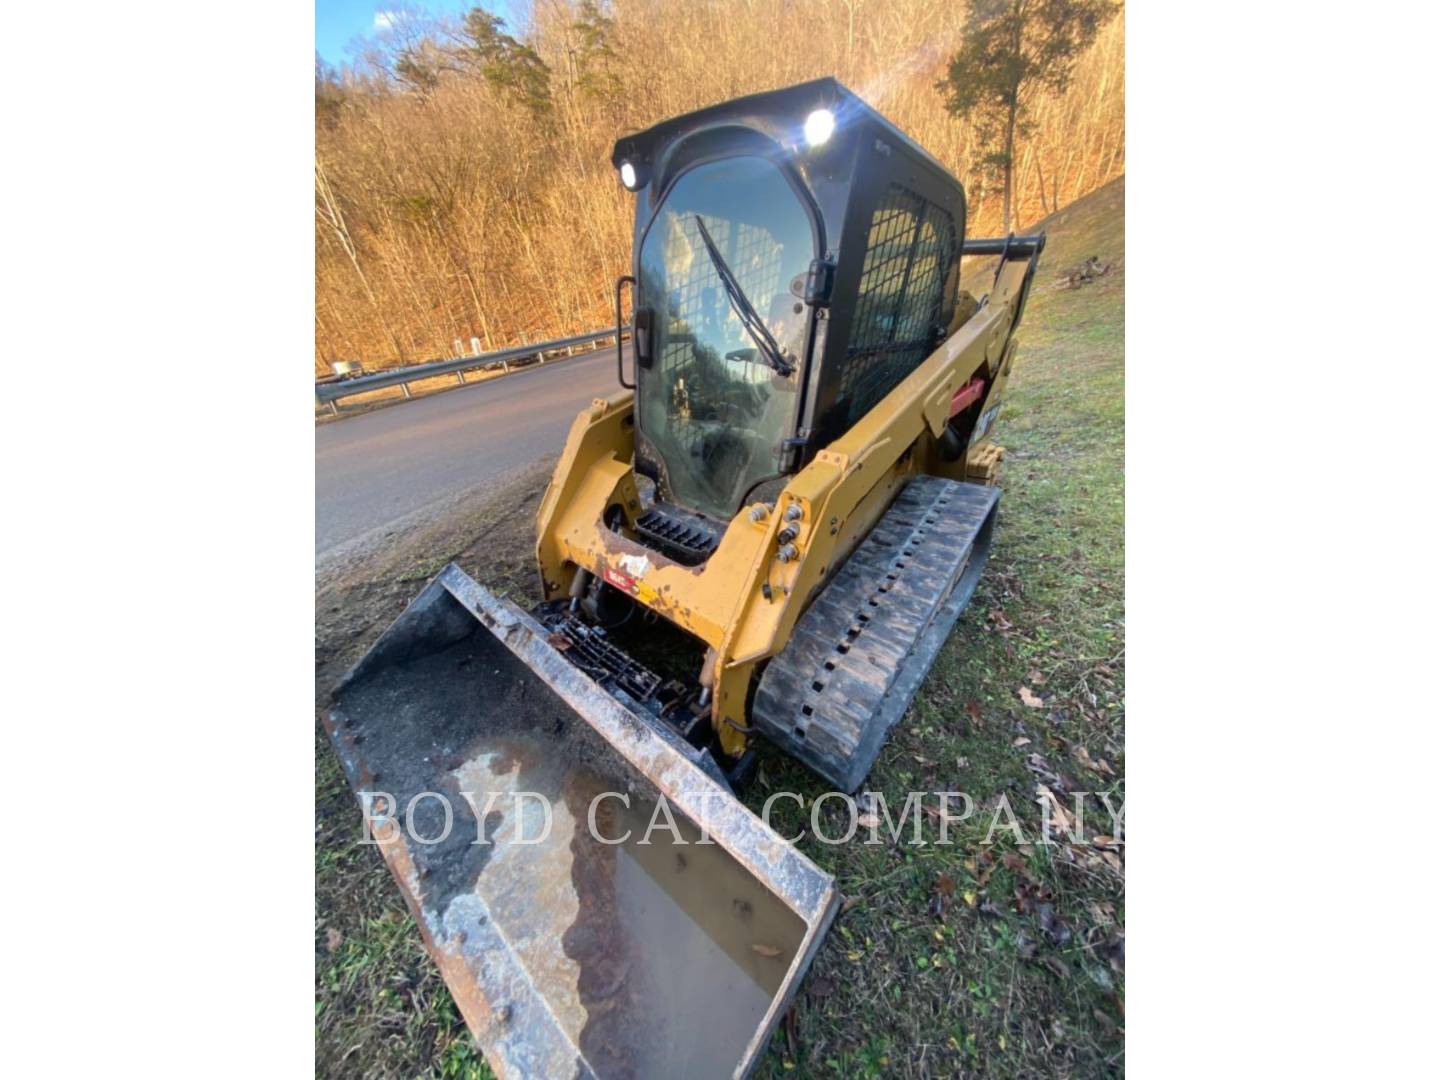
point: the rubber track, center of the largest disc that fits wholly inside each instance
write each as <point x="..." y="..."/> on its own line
<point x="859" y="653"/>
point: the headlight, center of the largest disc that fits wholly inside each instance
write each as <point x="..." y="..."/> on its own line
<point x="819" y="126"/>
<point x="628" y="176"/>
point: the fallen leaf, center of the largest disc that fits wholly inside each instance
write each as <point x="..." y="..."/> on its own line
<point x="559" y="641"/>
<point x="1060" y="818"/>
<point x="1020" y="740"/>
<point x="868" y="821"/>
<point x="1097" y="765"/>
<point x="972" y="708"/>
<point x="945" y="885"/>
<point x="333" y="939"/>
<point x="1012" y="860"/>
<point x="1053" y="926"/>
<point x="1115" y="950"/>
<point x="1035" y="677"/>
<point x="850" y="902"/>
<point x="1030" y="699"/>
<point x="766" y="950"/>
<point x="1041" y="768"/>
<point x="970" y="897"/>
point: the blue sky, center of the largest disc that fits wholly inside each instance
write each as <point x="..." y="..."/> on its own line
<point x="338" y="22"/>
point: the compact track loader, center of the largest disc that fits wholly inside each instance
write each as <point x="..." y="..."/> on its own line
<point x="766" y="534"/>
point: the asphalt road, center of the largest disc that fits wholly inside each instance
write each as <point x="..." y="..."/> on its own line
<point x="380" y="471"/>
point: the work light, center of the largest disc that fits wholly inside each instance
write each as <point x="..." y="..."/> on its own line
<point x="819" y="126"/>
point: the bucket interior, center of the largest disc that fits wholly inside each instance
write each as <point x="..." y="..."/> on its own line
<point x="653" y="954"/>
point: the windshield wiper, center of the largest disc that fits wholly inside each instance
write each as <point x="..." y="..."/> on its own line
<point x="740" y="303"/>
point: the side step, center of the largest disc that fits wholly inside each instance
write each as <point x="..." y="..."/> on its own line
<point x="860" y="652"/>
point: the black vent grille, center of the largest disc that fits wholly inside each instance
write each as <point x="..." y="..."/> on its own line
<point x="684" y="537"/>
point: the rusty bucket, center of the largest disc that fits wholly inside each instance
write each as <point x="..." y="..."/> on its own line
<point x="598" y="901"/>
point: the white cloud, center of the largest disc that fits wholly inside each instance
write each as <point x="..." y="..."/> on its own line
<point x="387" y="20"/>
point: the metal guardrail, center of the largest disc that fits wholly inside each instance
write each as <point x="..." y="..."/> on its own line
<point x="331" y="390"/>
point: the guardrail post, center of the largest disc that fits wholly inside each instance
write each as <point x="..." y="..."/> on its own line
<point x="405" y="389"/>
<point x="333" y="410"/>
<point x="460" y="376"/>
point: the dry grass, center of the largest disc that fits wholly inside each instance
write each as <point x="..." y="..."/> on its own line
<point x="455" y="213"/>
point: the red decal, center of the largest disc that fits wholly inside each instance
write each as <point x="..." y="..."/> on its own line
<point x="620" y="580"/>
<point x="967" y="395"/>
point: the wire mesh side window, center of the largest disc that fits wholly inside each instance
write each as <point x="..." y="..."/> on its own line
<point x="909" y="252"/>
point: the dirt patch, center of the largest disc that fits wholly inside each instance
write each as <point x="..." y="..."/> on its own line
<point x="491" y="537"/>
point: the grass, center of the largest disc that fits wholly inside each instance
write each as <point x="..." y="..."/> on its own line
<point x="1004" y="960"/>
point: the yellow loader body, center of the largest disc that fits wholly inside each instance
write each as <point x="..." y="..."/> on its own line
<point x="840" y="495"/>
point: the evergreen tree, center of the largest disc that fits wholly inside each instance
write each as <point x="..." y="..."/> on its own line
<point x="1014" y="49"/>
<point x="595" y="65"/>
<point x="514" y="68"/>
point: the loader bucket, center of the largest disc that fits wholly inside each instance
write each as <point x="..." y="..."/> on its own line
<point x="596" y="946"/>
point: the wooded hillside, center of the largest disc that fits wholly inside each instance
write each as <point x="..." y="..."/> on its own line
<point x="462" y="171"/>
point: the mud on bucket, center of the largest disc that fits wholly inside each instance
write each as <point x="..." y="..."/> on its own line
<point x="527" y="816"/>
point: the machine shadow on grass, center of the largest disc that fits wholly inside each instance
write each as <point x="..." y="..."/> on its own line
<point x="1006" y="960"/>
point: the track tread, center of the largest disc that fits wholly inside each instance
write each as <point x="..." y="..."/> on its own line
<point x="856" y="638"/>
